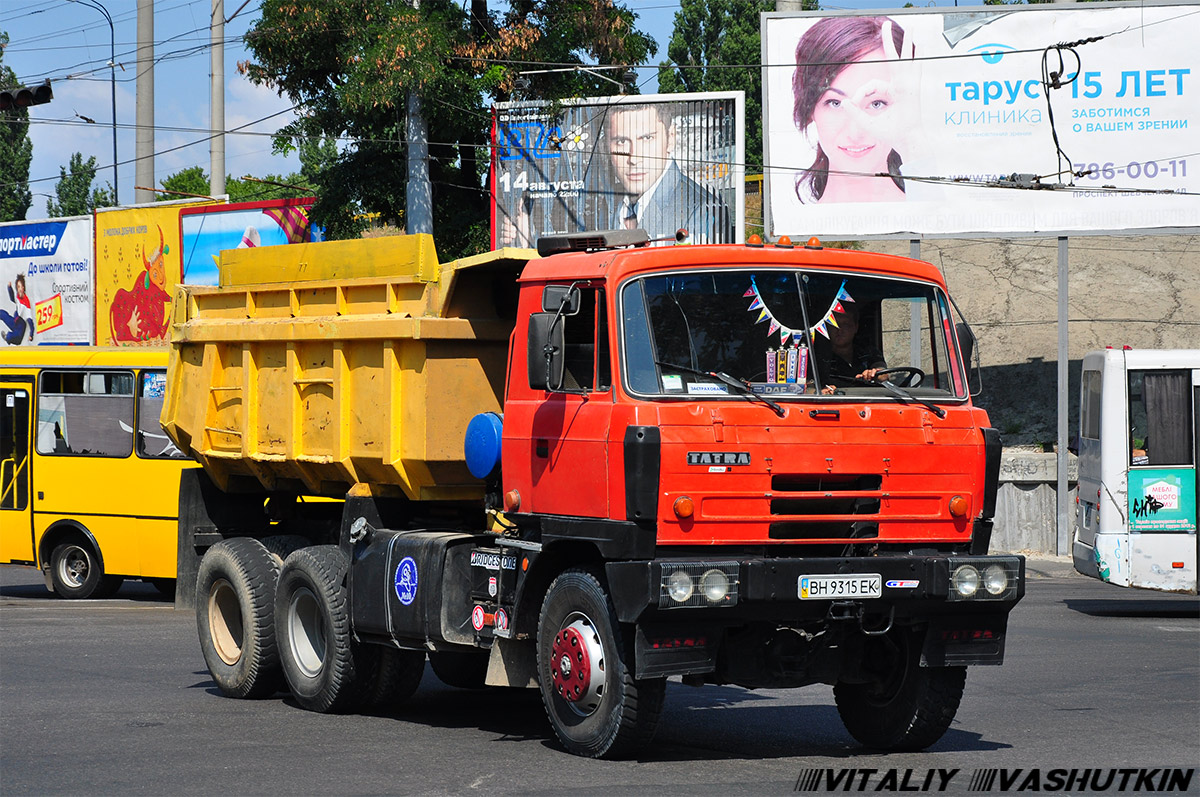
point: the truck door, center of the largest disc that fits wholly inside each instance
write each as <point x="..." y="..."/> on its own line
<point x="1162" y="479"/>
<point x="562" y="469"/>
<point x="16" y="512"/>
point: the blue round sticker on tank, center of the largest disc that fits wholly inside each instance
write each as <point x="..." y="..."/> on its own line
<point x="406" y="580"/>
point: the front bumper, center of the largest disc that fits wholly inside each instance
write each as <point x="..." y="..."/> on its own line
<point x="914" y="586"/>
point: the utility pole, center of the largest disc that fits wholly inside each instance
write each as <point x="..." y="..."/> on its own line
<point x="216" y="146"/>
<point x="144" y="171"/>
<point x="418" y="211"/>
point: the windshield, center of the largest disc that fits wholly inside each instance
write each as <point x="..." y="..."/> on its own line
<point x="787" y="333"/>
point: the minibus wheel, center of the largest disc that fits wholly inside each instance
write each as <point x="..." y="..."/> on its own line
<point x="235" y="617"/>
<point x="76" y="572"/>
<point x="585" y="670"/>
<point x="900" y="705"/>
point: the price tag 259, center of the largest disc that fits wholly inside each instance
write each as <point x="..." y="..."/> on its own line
<point x="48" y="313"/>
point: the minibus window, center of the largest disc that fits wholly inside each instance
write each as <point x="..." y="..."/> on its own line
<point x="1090" y="411"/>
<point x="86" y="413"/>
<point x="1160" y="415"/>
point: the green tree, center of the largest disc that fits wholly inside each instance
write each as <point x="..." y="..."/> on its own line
<point x="350" y="64"/>
<point x="194" y="182"/>
<point x="76" y="197"/>
<point x="16" y="150"/>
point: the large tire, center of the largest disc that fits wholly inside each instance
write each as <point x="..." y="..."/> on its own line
<point x="464" y="670"/>
<point x="904" y="707"/>
<point x="76" y="572"/>
<point x="393" y="678"/>
<point x="235" y="616"/>
<point x="326" y="670"/>
<point x="595" y="705"/>
<point x="281" y="546"/>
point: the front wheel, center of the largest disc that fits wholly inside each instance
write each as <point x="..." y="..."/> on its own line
<point x="585" y="669"/>
<point x="902" y="706"/>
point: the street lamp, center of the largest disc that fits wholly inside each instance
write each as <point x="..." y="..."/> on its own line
<point x="112" y="79"/>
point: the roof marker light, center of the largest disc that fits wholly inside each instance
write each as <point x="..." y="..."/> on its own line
<point x="813" y="243"/>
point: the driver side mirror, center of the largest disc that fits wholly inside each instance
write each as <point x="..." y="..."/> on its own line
<point x="562" y="299"/>
<point x="545" y="352"/>
<point x="966" y="343"/>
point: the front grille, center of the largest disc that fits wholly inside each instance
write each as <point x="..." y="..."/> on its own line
<point x="823" y="497"/>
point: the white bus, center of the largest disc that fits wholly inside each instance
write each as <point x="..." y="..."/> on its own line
<point x="1135" y="524"/>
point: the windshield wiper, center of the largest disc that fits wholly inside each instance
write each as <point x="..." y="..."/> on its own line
<point x="904" y="394"/>
<point x="741" y="385"/>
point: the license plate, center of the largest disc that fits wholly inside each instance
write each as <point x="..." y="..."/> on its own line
<point x="863" y="585"/>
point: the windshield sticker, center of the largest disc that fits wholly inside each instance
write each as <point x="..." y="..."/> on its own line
<point x="786" y="333"/>
<point x="672" y="382"/>
<point x="707" y="388"/>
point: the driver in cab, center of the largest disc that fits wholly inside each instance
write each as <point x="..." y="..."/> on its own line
<point x="844" y="359"/>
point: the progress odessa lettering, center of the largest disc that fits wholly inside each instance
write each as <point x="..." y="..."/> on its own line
<point x="1133" y="169"/>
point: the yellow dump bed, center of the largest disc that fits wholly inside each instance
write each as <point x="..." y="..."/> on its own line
<point x="316" y="367"/>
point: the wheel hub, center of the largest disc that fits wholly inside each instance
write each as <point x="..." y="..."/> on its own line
<point x="577" y="666"/>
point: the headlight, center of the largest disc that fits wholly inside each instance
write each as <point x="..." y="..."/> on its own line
<point x="965" y="581"/>
<point x="679" y="586"/>
<point x="984" y="578"/>
<point x="698" y="584"/>
<point x="995" y="580"/>
<point x="715" y="585"/>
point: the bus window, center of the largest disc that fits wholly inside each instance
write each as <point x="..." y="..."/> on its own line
<point x="1160" y="416"/>
<point x="152" y="442"/>
<point x="1089" y="426"/>
<point x="86" y="413"/>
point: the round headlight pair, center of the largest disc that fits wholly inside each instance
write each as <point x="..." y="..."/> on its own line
<point x="967" y="580"/>
<point x="714" y="586"/>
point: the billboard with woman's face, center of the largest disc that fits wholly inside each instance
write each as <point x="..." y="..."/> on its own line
<point x="914" y="122"/>
<point x="661" y="163"/>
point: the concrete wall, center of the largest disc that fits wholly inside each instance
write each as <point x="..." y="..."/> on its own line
<point x="1027" y="504"/>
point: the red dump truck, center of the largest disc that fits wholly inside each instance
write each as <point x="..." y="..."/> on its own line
<point x="588" y="472"/>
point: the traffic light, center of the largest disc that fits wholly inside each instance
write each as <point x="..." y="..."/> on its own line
<point x="24" y="96"/>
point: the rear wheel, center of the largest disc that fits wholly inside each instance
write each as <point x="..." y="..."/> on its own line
<point x="326" y="670"/>
<point x="585" y="668"/>
<point x="393" y="678"/>
<point x="76" y="572"/>
<point x="903" y="706"/>
<point x="235" y="616"/>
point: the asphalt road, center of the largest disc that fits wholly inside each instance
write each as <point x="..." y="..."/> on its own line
<point x="112" y="697"/>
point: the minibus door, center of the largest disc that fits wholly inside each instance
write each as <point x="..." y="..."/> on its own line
<point x="1162" y="483"/>
<point x="16" y="510"/>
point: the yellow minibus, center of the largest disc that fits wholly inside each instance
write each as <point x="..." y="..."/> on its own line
<point x="89" y="483"/>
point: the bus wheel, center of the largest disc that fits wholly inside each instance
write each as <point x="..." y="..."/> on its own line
<point x="903" y="706"/>
<point x="465" y="670"/>
<point x="76" y="572"/>
<point x="322" y="664"/>
<point x="595" y="705"/>
<point x="235" y="615"/>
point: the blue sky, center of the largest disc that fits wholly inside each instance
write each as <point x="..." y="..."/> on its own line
<point x="68" y="42"/>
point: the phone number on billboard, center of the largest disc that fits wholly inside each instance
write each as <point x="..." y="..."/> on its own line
<point x="1133" y="169"/>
